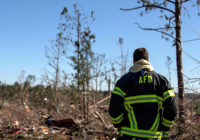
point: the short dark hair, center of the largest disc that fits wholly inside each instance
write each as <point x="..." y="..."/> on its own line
<point x="140" y="53"/>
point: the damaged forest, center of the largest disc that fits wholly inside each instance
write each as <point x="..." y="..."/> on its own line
<point x="40" y="118"/>
<point x="70" y="100"/>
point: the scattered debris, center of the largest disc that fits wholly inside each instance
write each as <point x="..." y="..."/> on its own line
<point x="197" y="118"/>
<point x="69" y="122"/>
<point x="38" y="124"/>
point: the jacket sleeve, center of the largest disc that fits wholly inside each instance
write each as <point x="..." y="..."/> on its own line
<point x="169" y="108"/>
<point x="116" y="106"/>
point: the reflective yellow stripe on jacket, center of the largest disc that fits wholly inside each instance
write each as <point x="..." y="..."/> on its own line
<point x="166" y="122"/>
<point x="156" y="123"/>
<point x="119" y="92"/>
<point x="140" y="133"/>
<point x="144" y="99"/>
<point x="133" y="130"/>
<point x="167" y="94"/>
<point x="165" y="134"/>
<point x="118" y="119"/>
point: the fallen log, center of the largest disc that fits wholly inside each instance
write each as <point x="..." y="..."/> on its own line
<point x="97" y="113"/>
<point x="104" y="99"/>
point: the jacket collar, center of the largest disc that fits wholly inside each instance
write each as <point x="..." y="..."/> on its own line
<point x="141" y="64"/>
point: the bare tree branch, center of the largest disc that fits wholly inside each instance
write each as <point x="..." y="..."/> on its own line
<point x="191" y="57"/>
<point x="170" y="1"/>
<point x="193" y="90"/>
<point x="155" y="29"/>
<point x="191" y="40"/>
<point x="170" y="19"/>
<point x="163" y="28"/>
<point x="196" y="79"/>
<point x="195" y="68"/>
<point x="185" y="1"/>
<point x="91" y="107"/>
<point x="148" y="6"/>
<point x="132" y="8"/>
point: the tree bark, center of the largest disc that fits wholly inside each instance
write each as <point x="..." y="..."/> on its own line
<point x="179" y="62"/>
<point x="78" y="51"/>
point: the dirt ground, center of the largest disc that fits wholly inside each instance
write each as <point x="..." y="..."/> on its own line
<point x="26" y="123"/>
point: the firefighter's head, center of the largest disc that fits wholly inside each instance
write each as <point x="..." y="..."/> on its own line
<point x="140" y="53"/>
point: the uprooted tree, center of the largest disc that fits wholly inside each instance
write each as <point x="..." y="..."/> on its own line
<point x="171" y="11"/>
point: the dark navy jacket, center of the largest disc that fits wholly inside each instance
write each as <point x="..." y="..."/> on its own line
<point x="143" y="105"/>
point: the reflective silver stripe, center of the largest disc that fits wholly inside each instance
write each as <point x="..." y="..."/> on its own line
<point x="169" y="93"/>
<point x="132" y="100"/>
<point x="119" y="92"/>
<point x="131" y="116"/>
<point x="140" y="133"/>
<point x="166" y="95"/>
<point x="160" y="100"/>
<point x="144" y="98"/>
<point x="167" y="123"/>
<point x="133" y="121"/>
<point x="157" y="123"/>
<point x="165" y="134"/>
<point x="156" y="126"/>
<point x="127" y="107"/>
<point x="152" y="135"/>
<point x="117" y="119"/>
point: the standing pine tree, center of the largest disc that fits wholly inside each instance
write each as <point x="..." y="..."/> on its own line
<point x="76" y="27"/>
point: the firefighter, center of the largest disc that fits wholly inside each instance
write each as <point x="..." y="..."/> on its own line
<point x="142" y="105"/>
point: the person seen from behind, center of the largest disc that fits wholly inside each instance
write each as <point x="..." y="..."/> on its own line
<point x="142" y="105"/>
